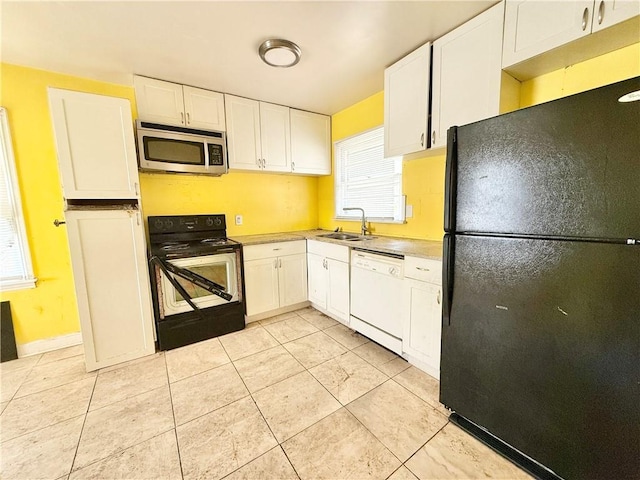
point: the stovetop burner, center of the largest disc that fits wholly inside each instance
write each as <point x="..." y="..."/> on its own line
<point x="215" y="241"/>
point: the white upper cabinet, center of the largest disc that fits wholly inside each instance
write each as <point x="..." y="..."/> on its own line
<point x="275" y="137"/>
<point x="258" y="135"/>
<point x="467" y="71"/>
<point x="611" y="12"/>
<point x="561" y="30"/>
<point x="95" y="145"/>
<point x="310" y="143"/>
<point x="406" y="103"/>
<point x="180" y="105"/>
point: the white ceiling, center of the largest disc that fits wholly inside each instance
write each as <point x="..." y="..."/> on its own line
<point x="213" y="44"/>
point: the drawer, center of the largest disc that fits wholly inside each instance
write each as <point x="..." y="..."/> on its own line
<point x="329" y="250"/>
<point x="270" y="250"/>
<point x="423" y="269"/>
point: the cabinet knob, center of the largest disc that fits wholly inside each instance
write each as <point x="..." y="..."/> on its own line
<point x="293" y="166"/>
<point x="585" y="18"/>
<point x="188" y="118"/>
<point x="600" y="12"/>
<point x="422" y="140"/>
<point x="439" y="295"/>
<point x="57" y="222"/>
<point x="433" y="137"/>
<point x="182" y="118"/>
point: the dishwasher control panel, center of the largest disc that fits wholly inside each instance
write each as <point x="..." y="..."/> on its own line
<point x="390" y="266"/>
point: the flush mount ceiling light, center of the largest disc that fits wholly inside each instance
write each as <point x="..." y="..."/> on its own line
<point x="279" y="53"/>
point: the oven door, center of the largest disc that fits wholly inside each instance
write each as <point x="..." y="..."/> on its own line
<point x="220" y="268"/>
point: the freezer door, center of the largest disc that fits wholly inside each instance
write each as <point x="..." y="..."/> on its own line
<point x="564" y="168"/>
<point x="542" y="348"/>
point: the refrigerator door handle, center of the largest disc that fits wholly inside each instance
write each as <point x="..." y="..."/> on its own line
<point x="447" y="278"/>
<point x="451" y="180"/>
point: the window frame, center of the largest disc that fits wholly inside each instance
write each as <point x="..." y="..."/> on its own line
<point x="15" y="200"/>
<point x="356" y="217"/>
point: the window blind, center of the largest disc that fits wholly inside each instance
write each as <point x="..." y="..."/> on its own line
<point x="365" y="179"/>
<point x="15" y="261"/>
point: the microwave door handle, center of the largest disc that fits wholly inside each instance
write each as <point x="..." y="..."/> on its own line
<point x="161" y="265"/>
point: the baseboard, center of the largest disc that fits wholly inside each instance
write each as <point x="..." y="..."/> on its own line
<point x="273" y="313"/>
<point x="49" y="344"/>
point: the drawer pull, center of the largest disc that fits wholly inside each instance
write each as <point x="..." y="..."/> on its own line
<point x="422" y="269"/>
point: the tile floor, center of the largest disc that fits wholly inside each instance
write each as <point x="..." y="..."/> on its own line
<point x="293" y="396"/>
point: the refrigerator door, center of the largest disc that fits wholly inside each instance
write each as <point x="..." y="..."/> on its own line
<point x="542" y="348"/>
<point x="567" y="168"/>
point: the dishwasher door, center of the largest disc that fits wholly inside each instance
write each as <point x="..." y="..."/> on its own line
<point x="376" y="297"/>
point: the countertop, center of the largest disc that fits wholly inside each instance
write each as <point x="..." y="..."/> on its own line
<point x="400" y="246"/>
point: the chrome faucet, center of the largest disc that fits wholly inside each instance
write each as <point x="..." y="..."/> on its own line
<point x="363" y="228"/>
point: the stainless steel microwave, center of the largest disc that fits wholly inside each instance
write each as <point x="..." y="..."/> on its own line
<point x="165" y="148"/>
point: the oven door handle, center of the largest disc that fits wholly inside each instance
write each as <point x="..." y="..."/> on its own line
<point x="198" y="280"/>
<point x="156" y="261"/>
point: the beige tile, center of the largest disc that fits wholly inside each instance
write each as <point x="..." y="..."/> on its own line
<point x="278" y="318"/>
<point x="453" y="453"/>
<point x="194" y="396"/>
<point x="402" y="473"/>
<point x="292" y="405"/>
<point x="10" y="383"/>
<point x="247" y="342"/>
<point x="318" y="319"/>
<point x="46" y="453"/>
<point x="423" y="385"/>
<point x="129" y="381"/>
<point x="394" y="367"/>
<point x="130" y="363"/>
<point x="272" y="465"/>
<point x="53" y="374"/>
<point x="339" y="447"/>
<point x="345" y="336"/>
<point x="290" y="329"/>
<point x="3" y="405"/>
<point x="374" y="354"/>
<point x="61" y="354"/>
<point x="152" y="459"/>
<point x="120" y="425"/>
<point x="19" y="364"/>
<point x="38" y="410"/>
<point x="400" y="420"/>
<point x="266" y="368"/>
<point x="193" y="359"/>
<point x="348" y="377"/>
<point x="314" y="349"/>
<point x="220" y="442"/>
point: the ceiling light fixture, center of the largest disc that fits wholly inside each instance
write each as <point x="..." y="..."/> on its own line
<point x="279" y="53"/>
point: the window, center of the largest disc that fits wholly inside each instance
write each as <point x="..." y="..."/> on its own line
<point x="365" y="179"/>
<point x="15" y="262"/>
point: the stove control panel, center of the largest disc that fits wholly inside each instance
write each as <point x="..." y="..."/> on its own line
<point x="186" y="223"/>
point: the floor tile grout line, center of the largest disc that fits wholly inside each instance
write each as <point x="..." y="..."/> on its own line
<point x="423" y="445"/>
<point x="84" y="422"/>
<point x="173" y="413"/>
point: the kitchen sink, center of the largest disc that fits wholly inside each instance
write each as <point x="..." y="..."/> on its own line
<point x="349" y="237"/>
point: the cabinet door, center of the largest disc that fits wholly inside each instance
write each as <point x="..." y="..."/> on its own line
<point x="95" y="145"/>
<point x="114" y="304"/>
<point x="261" y="285"/>
<point x="532" y="27"/>
<point x="275" y="137"/>
<point x="310" y="143"/>
<point x="338" y="289"/>
<point x="317" y="280"/>
<point x="422" y="330"/>
<point x="204" y="109"/>
<point x="292" y="274"/>
<point x="406" y="103"/>
<point x="243" y="133"/>
<point x="610" y="12"/>
<point x="159" y="102"/>
<point x="466" y="74"/>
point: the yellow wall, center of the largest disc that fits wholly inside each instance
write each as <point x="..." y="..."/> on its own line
<point x="422" y="179"/>
<point x="269" y="203"/>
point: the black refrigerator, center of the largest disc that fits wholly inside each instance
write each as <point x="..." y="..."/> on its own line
<point x="541" y="315"/>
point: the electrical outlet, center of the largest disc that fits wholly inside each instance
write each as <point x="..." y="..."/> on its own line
<point x="238" y="219"/>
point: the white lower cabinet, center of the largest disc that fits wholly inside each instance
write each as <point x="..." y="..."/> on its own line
<point x="423" y="314"/>
<point x="114" y="304"/>
<point x="328" y="276"/>
<point x="275" y="276"/>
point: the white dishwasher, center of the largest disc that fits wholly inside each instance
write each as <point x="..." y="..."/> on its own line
<point x="376" y="297"/>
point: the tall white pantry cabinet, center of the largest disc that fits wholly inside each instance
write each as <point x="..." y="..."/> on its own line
<point x="98" y="170"/>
